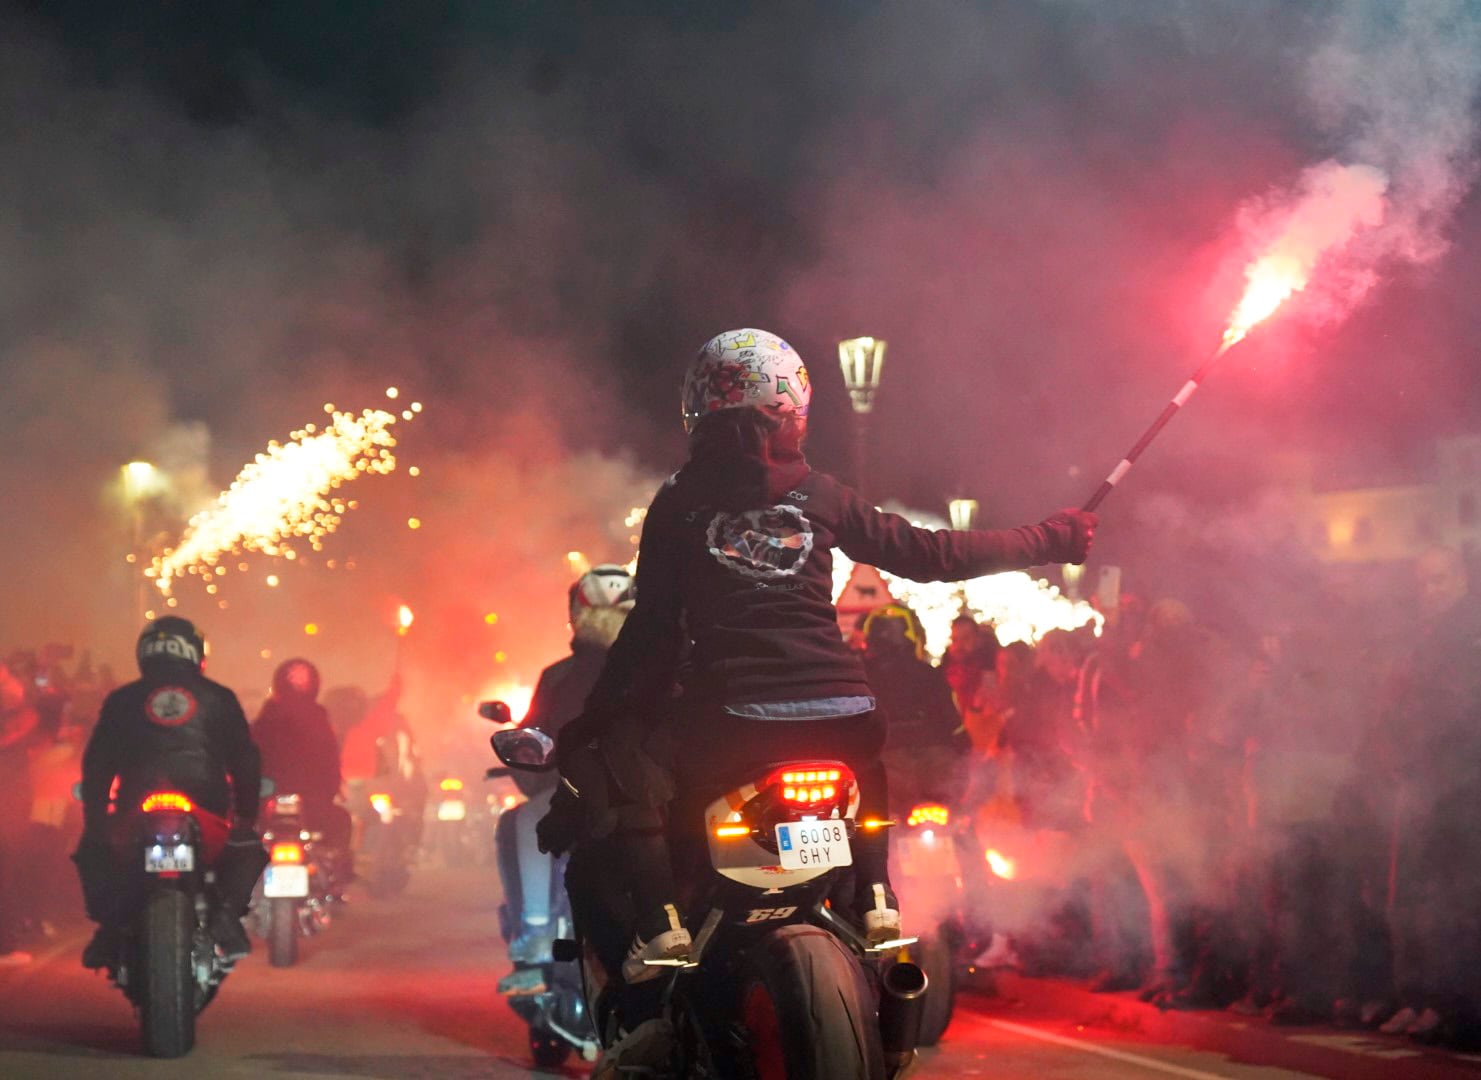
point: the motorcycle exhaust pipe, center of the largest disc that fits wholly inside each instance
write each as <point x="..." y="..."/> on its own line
<point x="902" y="1002"/>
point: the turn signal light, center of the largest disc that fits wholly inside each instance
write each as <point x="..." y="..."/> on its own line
<point x="929" y="814"/>
<point x="870" y="824"/>
<point x="381" y="804"/>
<point x="167" y="800"/>
<point x="451" y="784"/>
<point x="732" y="832"/>
<point x="287" y="853"/>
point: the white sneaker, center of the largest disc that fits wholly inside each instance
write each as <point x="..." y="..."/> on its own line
<point x="1425" y="1024"/>
<point x="672" y="944"/>
<point x="881" y="922"/>
<point x="1399" y="1023"/>
<point x="999" y="954"/>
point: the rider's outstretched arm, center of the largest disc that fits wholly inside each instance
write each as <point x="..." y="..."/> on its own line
<point x="888" y="541"/>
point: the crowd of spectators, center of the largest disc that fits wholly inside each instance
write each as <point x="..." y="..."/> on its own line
<point x="49" y="702"/>
<point x="1285" y="822"/>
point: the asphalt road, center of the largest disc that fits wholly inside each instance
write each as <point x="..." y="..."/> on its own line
<point x="405" y="989"/>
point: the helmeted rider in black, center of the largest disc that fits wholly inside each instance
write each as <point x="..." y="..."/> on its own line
<point x="926" y="746"/>
<point x="735" y="578"/>
<point x="173" y="728"/>
<point x="300" y="755"/>
<point x="598" y="604"/>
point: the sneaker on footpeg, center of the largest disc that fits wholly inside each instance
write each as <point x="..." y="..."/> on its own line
<point x="882" y="917"/>
<point x="670" y="941"/>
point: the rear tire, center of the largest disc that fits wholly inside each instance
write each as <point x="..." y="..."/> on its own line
<point x="282" y="933"/>
<point x="808" y="1012"/>
<point x="167" y="1004"/>
<point x="935" y="957"/>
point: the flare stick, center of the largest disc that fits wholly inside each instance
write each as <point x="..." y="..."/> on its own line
<point x="1179" y="400"/>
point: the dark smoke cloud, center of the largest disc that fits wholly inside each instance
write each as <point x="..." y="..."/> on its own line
<point x="528" y="219"/>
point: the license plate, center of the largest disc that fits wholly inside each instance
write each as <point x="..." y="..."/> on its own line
<point x="451" y="810"/>
<point x="812" y="845"/>
<point x="159" y="859"/>
<point x="285" y="880"/>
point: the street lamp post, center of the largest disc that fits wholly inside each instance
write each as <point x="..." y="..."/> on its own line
<point x="140" y="478"/>
<point x="862" y="360"/>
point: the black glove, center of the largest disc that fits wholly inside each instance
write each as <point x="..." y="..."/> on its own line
<point x="563" y="824"/>
<point x="1068" y="535"/>
<point x="579" y="734"/>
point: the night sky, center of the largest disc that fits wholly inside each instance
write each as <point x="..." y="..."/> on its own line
<point x="213" y="218"/>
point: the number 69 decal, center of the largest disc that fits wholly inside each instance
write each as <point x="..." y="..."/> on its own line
<point x="767" y="914"/>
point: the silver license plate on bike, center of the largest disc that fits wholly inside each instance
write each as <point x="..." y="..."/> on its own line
<point x="813" y="845"/>
<point x="285" y="880"/>
<point x="172" y="859"/>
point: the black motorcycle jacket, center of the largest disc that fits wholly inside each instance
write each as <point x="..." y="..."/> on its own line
<point x="753" y="590"/>
<point x="299" y="751"/>
<point x="174" y="729"/>
<point x="560" y="695"/>
<point x="915" y="700"/>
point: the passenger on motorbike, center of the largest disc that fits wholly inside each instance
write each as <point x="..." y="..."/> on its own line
<point x="172" y="727"/>
<point x="736" y="565"/>
<point x="598" y="604"/>
<point x="300" y="755"/>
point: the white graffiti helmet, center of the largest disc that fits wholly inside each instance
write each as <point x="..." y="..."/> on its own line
<point x="607" y="585"/>
<point x="746" y="369"/>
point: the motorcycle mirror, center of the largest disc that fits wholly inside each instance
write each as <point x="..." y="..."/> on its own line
<point x="529" y="749"/>
<point x="266" y="788"/>
<point x="497" y="711"/>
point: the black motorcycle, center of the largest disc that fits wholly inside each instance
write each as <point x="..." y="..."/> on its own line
<point x="547" y="996"/>
<point x="166" y="962"/>
<point x="298" y="890"/>
<point x="778" y="985"/>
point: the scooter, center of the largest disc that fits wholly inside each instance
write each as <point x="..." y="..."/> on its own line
<point x="546" y="995"/>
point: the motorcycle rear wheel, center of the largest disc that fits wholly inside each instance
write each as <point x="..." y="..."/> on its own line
<point x="808" y="1012"/>
<point x="167" y="1004"/>
<point x="282" y="933"/>
<point x="935" y="956"/>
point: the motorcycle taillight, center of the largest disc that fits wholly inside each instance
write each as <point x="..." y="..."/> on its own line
<point x="929" y="814"/>
<point x="287" y="853"/>
<point x="167" y="800"/>
<point x="814" y="787"/>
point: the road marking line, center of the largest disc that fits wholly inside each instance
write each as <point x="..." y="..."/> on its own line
<point x="1105" y="1051"/>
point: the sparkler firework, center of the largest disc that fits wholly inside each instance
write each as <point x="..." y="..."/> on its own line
<point x="1335" y="203"/>
<point x="288" y="492"/>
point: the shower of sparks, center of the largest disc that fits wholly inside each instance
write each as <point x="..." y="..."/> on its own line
<point x="1020" y="607"/>
<point x="289" y="492"/>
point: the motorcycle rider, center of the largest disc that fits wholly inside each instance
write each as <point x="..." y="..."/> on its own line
<point x="926" y="746"/>
<point x="301" y="756"/>
<point x="598" y="603"/>
<point x="736" y="563"/>
<point x="171" y="727"/>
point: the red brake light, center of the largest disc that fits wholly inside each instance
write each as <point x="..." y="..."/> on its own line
<point x="929" y="814"/>
<point x="812" y="783"/>
<point x="167" y="800"/>
<point x="287" y="853"/>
